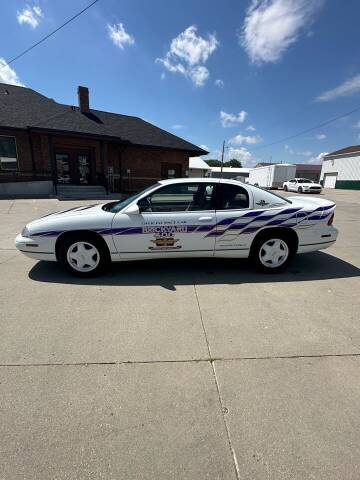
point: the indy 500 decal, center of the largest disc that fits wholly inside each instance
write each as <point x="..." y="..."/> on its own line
<point x="164" y="236"/>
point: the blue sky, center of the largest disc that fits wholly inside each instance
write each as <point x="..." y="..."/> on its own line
<point x="246" y="71"/>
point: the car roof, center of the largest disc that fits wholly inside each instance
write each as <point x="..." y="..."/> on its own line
<point x="199" y="180"/>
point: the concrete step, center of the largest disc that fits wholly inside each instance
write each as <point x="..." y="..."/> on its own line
<point x="81" y="192"/>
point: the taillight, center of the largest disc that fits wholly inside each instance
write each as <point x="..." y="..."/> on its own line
<point x="331" y="220"/>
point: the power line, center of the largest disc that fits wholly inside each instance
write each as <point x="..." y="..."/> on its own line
<point x="320" y="125"/>
<point x="48" y="35"/>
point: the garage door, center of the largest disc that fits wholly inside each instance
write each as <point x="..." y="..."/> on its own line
<point x="330" y="180"/>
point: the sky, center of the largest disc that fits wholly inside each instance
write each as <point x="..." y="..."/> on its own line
<point x="250" y="72"/>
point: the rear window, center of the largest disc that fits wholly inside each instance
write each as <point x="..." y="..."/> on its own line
<point x="265" y="198"/>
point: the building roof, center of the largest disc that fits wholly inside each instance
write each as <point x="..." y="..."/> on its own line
<point x="231" y="170"/>
<point x="342" y="151"/>
<point x="22" y="107"/>
<point x="196" y="162"/>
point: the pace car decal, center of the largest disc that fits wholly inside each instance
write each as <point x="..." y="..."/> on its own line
<point x="226" y="229"/>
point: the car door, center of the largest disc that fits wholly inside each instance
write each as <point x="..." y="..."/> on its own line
<point x="294" y="185"/>
<point x="173" y="221"/>
<point x="241" y="213"/>
<point x="233" y="211"/>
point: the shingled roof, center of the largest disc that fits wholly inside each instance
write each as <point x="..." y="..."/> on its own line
<point x="22" y="107"/>
<point x="343" y="151"/>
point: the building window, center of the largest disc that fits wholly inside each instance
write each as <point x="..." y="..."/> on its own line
<point x="8" y="154"/>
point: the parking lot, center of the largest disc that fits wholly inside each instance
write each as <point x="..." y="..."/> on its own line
<point x="196" y="369"/>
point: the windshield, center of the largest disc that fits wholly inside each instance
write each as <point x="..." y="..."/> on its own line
<point x="115" y="207"/>
<point x="304" y="180"/>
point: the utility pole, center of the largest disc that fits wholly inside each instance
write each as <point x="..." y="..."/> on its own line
<point x="222" y="159"/>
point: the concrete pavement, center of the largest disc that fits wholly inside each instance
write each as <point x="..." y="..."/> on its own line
<point x="180" y="369"/>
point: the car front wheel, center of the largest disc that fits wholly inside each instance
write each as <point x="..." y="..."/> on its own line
<point x="285" y="188"/>
<point x="272" y="253"/>
<point x="82" y="256"/>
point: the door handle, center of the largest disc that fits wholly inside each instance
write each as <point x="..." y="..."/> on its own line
<point x="205" y="219"/>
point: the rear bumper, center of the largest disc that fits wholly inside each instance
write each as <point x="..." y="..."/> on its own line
<point x="326" y="238"/>
<point x="32" y="249"/>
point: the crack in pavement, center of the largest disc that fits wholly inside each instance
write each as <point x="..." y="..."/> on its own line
<point x="193" y="360"/>
<point x="221" y="403"/>
<point x="11" y="206"/>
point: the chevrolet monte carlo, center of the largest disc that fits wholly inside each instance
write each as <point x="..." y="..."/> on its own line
<point x="183" y="218"/>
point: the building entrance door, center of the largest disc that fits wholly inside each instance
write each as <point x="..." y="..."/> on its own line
<point x="73" y="168"/>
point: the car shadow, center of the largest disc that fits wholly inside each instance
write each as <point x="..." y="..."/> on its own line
<point x="170" y="273"/>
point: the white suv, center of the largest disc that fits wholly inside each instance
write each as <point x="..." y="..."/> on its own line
<point x="302" y="185"/>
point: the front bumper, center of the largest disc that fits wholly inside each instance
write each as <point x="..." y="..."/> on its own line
<point x="31" y="248"/>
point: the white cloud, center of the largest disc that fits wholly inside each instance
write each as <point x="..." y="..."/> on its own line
<point x="349" y="87"/>
<point x="30" y="15"/>
<point x="243" y="155"/>
<point x="119" y="35"/>
<point x="321" y="136"/>
<point x="188" y="54"/>
<point x="231" y="119"/>
<point x="241" y="139"/>
<point x="304" y="153"/>
<point x="163" y="76"/>
<point x="219" y="83"/>
<point x="205" y="147"/>
<point x="8" y="75"/>
<point x="316" y="160"/>
<point x="357" y="125"/>
<point x="251" y="128"/>
<point x="272" y="26"/>
<point x="177" y="126"/>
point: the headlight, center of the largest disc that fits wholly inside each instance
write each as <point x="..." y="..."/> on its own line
<point x="25" y="232"/>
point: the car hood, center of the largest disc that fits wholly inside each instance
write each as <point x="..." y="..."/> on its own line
<point x="310" y="185"/>
<point x="90" y="217"/>
<point x="62" y="214"/>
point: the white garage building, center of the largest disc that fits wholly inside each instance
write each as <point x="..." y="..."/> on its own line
<point x="341" y="169"/>
<point x="198" y="168"/>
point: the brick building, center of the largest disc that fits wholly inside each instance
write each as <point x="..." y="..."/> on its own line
<point x="45" y="141"/>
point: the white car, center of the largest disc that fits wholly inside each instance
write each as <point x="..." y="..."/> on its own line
<point x="302" y="185"/>
<point x="183" y="218"/>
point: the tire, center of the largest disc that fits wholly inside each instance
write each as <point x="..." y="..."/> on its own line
<point x="84" y="255"/>
<point x="300" y="190"/>
<point x="285" y="188"/>
<point x="282" y="247"/>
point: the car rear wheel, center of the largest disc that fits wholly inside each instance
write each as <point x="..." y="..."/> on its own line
<point x="300" y="190"/>
<point x="272" y="253"/>
<point x="285" y="188"/>
<point x="82" y="256"/>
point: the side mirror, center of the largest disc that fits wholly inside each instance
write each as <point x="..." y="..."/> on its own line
<point x="133" y="209"/>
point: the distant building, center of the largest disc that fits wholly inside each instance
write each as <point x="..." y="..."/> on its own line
<point x="306" y="170"/>
<point x="240" y="174"/>
<point x="341" y="169"/>
<point x="198" y="168"/>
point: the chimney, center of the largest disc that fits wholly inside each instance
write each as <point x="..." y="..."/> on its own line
<point x="83" y="96"/>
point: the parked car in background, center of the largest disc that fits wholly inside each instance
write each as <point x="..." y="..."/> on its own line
<point x="302" y="185"/>
<point x="183" y="218"/>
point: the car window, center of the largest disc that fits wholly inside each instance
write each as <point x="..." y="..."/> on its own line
<point x="180" y="197"/>
<point x="304" y="180"/>
<point x="232" y="197"/>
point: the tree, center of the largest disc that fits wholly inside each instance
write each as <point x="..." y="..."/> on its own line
<point x="213" y="163"/>
<point x="233" y="163"/>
